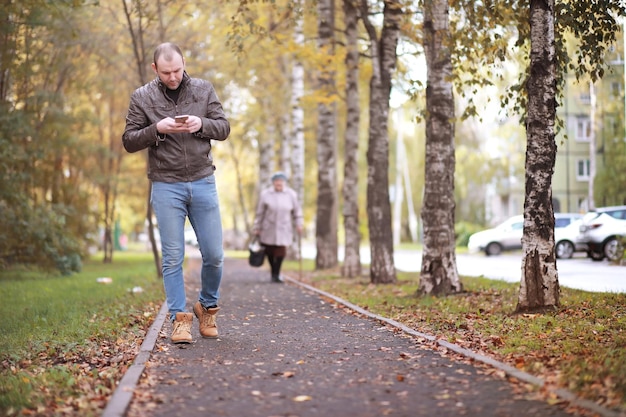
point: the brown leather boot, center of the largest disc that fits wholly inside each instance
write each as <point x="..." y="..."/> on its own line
<point x="182" y="328"/>
<point x="206" y="317"/>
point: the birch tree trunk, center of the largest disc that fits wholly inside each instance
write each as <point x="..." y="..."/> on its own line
<point x="267" y="144"/>
<point x="439" y="275"/>
<point x="352" y="258"/>
<point x="539" y="289"/>
<point x="326" y="218"/>
<point x="285" y="143"/>
<point x="382" y="268"/>
<point x="297" y="113"/>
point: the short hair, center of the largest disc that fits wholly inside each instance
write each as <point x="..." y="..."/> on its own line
<point x="167" y="49"/>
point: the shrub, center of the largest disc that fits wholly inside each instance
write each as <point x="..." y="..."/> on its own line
<point x="38" y="236"/>
<point x="463" y="230"/>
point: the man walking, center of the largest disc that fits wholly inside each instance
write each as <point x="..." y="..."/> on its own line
<point x="176" y="117"/>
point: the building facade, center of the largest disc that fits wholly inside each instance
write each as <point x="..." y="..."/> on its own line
<point x="593" y="116"/>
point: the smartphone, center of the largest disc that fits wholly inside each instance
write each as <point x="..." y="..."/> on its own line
<point x="181" y="119"/>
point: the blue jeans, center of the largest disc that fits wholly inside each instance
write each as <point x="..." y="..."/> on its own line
<point x="173" y="203"/>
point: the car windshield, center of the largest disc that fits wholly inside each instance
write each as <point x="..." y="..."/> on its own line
<point x="512" y="223"/>
<point x="590" y="216"/>
<point x="618" y="214"/>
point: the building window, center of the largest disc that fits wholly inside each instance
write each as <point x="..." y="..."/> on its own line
<point x="585" y="98"/>
<point x="583" y="129"/>
<point x="616" y="89"/>
<point x="582" y="169"/>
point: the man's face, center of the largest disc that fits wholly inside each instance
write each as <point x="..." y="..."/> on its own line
<point x="170" y="72"/>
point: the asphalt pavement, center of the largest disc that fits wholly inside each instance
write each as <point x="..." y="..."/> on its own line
<point x="286" y="350"/>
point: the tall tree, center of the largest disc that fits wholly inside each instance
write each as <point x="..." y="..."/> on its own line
<point x="352" y="259"/>
<point x="136" y="31"/>
<point x="326" y="218"/>
<point x="439" y="275"/>
<point x="384" y="57"/>
<point x="44" y="199"/>
<point x="539" y="287"/>
<point x="297" y="111"/>
<point x="594" y="25"/>
<point x="109" y="165"/>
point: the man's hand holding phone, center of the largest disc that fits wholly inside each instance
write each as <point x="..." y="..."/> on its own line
<point x="180" y="124"/>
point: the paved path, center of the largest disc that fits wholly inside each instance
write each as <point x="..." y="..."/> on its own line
<point x="285" y="351"/>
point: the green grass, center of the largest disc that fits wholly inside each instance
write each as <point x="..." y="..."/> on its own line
<point x="65" y="340"/>
<point x="580" y="346"/>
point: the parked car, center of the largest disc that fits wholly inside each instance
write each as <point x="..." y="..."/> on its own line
<point x="565" y="240"/>
<point x="601" y="232"/>
<point x="505" y="236"/>
<point x="190" y="236"/>
<point x="562" y="220"/>
<point x="508" y="235"/>
<point x="189" y="233"/>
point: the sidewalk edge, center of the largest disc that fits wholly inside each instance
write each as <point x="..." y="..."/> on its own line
<point x="123" y="394"/>
<point x="507" y="369"/>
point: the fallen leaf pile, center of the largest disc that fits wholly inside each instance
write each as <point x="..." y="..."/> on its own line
<point x="75" y="380"/>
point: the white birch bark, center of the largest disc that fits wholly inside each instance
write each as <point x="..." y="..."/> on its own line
<point x="439" y="275"/>
<point x="352" y="259"/>
<point x="267" y="154"/>
<point x="296" y="180"/>
<point x="327" y="205"/>
<point x="539" y="288"/>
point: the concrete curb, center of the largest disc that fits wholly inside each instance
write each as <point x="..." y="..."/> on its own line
<point x="507" y="369"/>
<point x="121" y="398"/>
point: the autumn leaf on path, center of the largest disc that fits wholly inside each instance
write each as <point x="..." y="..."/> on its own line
<point x="302" y="398"/>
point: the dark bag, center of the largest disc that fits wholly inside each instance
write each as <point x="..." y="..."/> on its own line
<point x="257" y="253"/>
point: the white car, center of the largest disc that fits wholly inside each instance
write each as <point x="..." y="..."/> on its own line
<point x="190" y="237"/>
<point x="602" y="232"/>
<point x="508" y="235"/>
<point x="565" y="240"/>
<point x="505" y="236"/>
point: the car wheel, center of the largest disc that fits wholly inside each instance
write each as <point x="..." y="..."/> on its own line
<point x="595" y="256"/>
<point x="564" y="249"/>
<point x="614" y="250"/>
<point x="493" y="249"/>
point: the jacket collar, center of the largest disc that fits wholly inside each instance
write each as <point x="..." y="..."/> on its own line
<point x="183" y="83"/>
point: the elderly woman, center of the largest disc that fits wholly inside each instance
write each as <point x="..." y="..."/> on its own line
<point x="277" y="213"/>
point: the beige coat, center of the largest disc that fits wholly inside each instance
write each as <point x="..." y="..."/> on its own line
<point x="276" y="215"/>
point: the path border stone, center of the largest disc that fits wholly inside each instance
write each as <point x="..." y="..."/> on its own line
<point x="123" y="394"/>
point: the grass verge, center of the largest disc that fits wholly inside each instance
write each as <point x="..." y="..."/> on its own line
<point x="581" y="346"/>
<point x="65" y="341"/>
